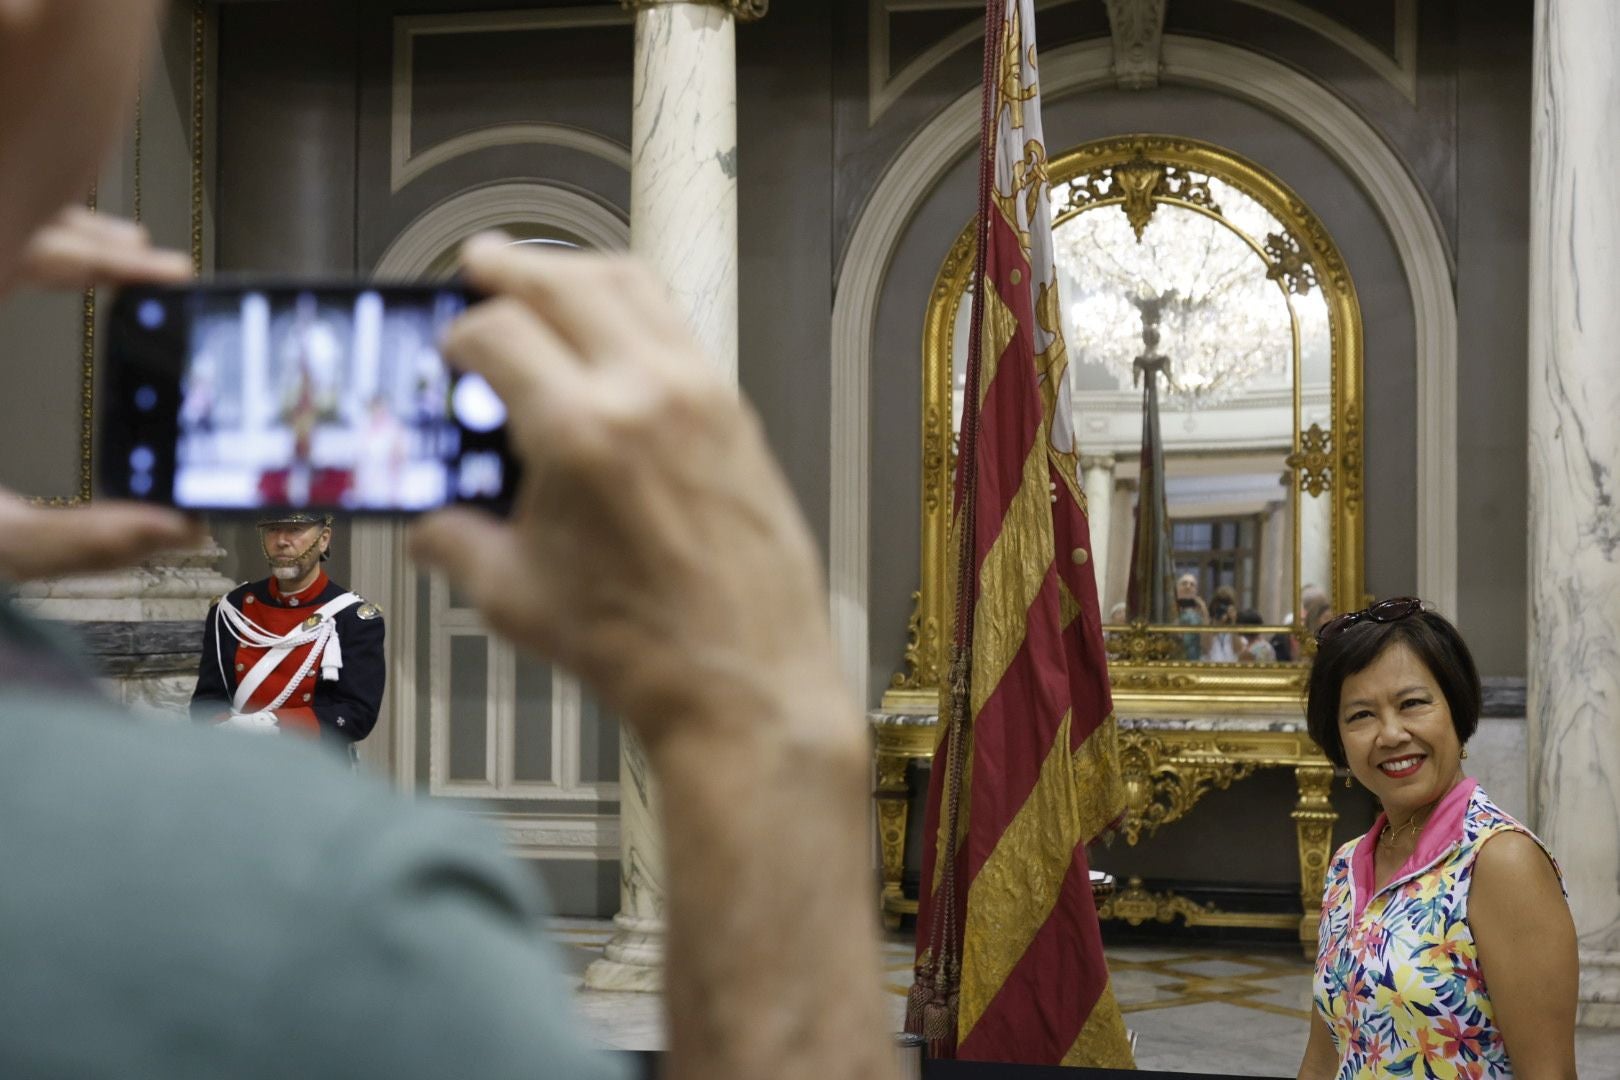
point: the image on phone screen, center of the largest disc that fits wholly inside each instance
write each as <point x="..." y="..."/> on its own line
<point x="335" y="398"/>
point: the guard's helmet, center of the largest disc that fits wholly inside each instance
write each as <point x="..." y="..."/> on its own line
<point x="298" y="517"/>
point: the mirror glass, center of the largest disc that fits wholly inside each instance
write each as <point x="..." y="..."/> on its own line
<point x="1204" y="291"/>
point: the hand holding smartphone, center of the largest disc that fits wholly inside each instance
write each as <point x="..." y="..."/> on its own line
<point x="248" y="397"/>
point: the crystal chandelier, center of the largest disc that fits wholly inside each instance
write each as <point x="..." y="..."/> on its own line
<point x="1222" y="323"/>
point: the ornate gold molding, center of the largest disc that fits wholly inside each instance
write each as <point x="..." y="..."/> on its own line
<point x="1162" y="785"/>
<point x="743" y="10"/>
<point x="1137" y="644"/>
<point x="1288" y="264"/>
<point x="1166" y="770"/>
<point x="1144" y="171"/>
<point x="1313" y="822"/>
<point x="897" y="745"/>
<point x="1135" y="905"/>
<point x="1312" y="463"/>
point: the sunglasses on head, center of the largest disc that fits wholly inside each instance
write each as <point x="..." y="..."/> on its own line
<point x="1385" y="611"/>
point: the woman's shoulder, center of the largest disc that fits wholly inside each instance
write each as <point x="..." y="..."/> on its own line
<point x="1506" y="854"/>
<point x="1484" y="819"/>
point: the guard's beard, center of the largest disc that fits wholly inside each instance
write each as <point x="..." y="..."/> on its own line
<point x="293" y="567"/>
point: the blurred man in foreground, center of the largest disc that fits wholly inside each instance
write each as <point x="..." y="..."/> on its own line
<point x="179" y="904"/>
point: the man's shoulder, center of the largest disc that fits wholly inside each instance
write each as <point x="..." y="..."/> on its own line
<point x="238" y="596"/>
<point x="206" y="793"/>
<point x="364" y="610"/>
<point x="184" y="872"/>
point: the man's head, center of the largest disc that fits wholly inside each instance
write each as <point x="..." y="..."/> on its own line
<point x="1311" y="597"/>
<point x="295" y="544"/>
<point x="1186" y="587"/>
<point x="68" y="73"/>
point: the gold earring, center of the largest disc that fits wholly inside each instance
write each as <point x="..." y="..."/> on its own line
<point x="1347" y="781"/>
<point x="1465" y="751"/>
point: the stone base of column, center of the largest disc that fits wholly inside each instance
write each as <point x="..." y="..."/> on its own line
<point x="634" y="959"/>
<point x="142" y="627"/>
<point x="1600" y="990"/>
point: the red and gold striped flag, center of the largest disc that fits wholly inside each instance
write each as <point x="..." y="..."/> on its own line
<point x="1010" y="963"/>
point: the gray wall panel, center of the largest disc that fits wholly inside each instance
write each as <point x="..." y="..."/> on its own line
<point x="531" y="735"/>
<point x="469" y="708"/>
<point x="285" y="156"/>
<point x="1493" y="153"/>
<point x="581" y="888"/>
<point x="785" y="185"/>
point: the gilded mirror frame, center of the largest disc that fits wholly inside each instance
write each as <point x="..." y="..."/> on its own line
<point x="1327" y="462"/>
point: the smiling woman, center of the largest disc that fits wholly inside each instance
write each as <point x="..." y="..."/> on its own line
<point x="1444" y="888"/>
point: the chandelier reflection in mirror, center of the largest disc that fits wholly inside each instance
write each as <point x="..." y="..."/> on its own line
<point x="1221" y="322"/>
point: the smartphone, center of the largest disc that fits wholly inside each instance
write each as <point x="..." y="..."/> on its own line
<point x="252" y="397"/>
<point x="1186" y="602"/>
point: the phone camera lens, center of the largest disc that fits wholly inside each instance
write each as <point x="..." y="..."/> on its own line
<point x="151" y="314"/>
<point x="140" y="484"/>
<point x="146" y="399"/>
<point x="476" y="405"/>
<point x="141" y="459"/>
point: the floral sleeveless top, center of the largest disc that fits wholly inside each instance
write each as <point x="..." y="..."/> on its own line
<point x="1397" y="975"/>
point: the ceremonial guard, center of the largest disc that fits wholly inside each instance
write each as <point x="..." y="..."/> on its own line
<point x="293" y="652"/>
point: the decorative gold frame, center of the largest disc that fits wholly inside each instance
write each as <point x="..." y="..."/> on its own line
<point x="1146" y="170"/>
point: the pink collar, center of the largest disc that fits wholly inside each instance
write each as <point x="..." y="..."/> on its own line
<point x="1443" y="829"/>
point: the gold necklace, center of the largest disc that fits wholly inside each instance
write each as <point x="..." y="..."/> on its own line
<point x="1389" y="836"/>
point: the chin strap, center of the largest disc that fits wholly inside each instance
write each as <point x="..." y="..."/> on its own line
<point x="297" y="559"/>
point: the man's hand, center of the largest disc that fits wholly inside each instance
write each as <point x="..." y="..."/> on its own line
<point x="258" y="723"/>
<point x="79" y="248"/>
<point x="655" y="549"/>
<point x="656" y="552"/>
<point x="43" y="542"/>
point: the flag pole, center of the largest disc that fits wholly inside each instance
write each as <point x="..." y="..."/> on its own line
<point x="931" y="1004"/>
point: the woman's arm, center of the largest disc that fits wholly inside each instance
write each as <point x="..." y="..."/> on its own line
<point x="1527" y="954"/>
<point x="1321" y="1061"/>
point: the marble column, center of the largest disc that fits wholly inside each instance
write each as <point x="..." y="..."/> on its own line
<point x="1276" y="599"/>
<point x="1097" y="478"/>
<point x="1121" y="535"/>
<point x="1316" y="546"/>
<point x="1574" y="449"/>
<point x="683" y="222"/>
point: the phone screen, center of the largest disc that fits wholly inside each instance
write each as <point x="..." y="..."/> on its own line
<point x="336" y="397"/>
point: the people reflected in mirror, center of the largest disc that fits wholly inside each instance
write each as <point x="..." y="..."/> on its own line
<point x="1254" y="648"/>
<point x="293" y="652"/>
<point x="1191" y="611"/>
<point x="1446" y="945"/>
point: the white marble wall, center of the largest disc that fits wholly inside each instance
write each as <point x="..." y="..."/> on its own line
<point x="1574" y="452"/>
<point x="1496" y="758"/>
<point x="683" y="222"/>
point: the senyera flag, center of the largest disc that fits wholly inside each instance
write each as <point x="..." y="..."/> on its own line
<point x="1010" y="963"/>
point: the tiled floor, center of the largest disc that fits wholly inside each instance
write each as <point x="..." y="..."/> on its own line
<point x="1237" y="1012"/>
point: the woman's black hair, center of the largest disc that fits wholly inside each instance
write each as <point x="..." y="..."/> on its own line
<point x="1431" y="638"/>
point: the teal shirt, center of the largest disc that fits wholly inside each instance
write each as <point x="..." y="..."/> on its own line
<point x="178" y="902"/>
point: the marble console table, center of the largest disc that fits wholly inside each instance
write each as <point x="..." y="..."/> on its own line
<point x="1169" y="764"/>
